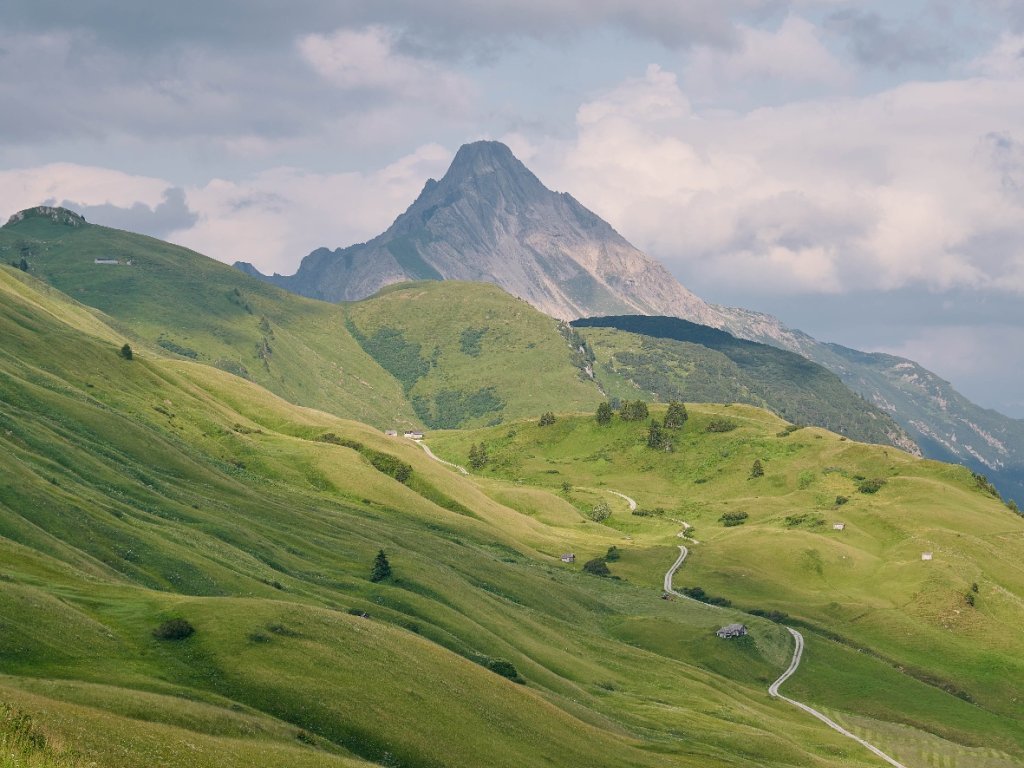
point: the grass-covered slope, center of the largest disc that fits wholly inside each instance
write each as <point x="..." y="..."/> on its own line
<point x="196" y="308"/>
<point x="928" y="644"/>
<point x="469" y="354"/>
<point x="435" y="354"/>
<point x="675" y="359"/>
<point x="137" y="491"/>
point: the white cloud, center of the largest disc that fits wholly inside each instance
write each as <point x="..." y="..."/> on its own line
<point x="367" y="59"/>
<point x="1004" y="60"/>
<point x="919" y="185"/>
<point x="27" y="187"/>
<point x="791" y="54"/>
<point x="271" y="219"/>
<point x="274" y="218"/>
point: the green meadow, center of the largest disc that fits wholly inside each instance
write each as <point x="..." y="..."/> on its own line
<point x="251" y="505"/>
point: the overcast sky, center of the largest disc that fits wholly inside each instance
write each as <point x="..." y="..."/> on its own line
<point x="856" y="168"/>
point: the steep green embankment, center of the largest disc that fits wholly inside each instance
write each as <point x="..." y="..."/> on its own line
<point x="136" y="491"/>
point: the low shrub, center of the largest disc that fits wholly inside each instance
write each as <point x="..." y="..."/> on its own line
<point x="871" y="485"/>
<point x="720" y="425"/>
<point x="698" y="593"/>
<point x="174" y="629"/>
<point x="729" y="519"/>
<point x="597" y="567"/>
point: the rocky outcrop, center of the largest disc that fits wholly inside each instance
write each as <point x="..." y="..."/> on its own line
<point x="55" y="214"/>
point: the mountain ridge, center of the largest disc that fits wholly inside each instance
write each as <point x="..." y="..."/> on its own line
<point x="490" y="218"/>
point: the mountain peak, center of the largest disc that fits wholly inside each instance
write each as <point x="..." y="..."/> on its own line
<point x="480" y="159"/>
<point x="55" y="213"/>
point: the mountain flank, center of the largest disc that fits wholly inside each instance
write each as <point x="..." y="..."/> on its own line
<point x="490" y="219"/>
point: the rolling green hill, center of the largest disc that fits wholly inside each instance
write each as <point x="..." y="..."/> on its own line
<point x="445" y="353"/>
<point x="137" y="491"/>
<point x="469" y="354"/>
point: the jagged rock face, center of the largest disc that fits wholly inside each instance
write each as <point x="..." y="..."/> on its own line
<point x="491" y="220"/>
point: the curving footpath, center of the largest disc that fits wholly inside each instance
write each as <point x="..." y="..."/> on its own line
<point x="435" y="457"/>
<point x="631" y="502"/>
<point x="773" y="689"/>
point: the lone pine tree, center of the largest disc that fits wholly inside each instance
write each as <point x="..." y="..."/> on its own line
<point x="381" y="567"/>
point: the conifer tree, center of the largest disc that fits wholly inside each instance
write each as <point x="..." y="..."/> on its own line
<point x="604" y="413"/>
<point x="126" y="352"/>
<point x="757" y="470"/>
<point x="381" y="567"/>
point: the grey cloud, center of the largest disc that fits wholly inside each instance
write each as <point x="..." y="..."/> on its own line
<point x="171" y="215"/>
<point x="880" y="43"/>
<point x="1006" y="155"/>
<point x="241" y="23"/>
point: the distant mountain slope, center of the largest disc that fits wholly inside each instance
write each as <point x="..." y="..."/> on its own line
<point x="490" y="219"/>
<point x="680" y="360"/>
<point x="943" y="422"/>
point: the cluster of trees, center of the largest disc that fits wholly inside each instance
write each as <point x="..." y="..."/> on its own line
<point x="547" y="419"/>
<point x="21" y="264"/>
<point x="392" y="466"/>
<point x="478" y="457"/>
<point x="658" y="433"/>
<point x="633" y="410"/>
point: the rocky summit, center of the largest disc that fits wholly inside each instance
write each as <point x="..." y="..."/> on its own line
<point x="490" y="219"/>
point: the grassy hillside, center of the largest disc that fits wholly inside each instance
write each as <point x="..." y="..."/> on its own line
<point x="196" y="308"/>
<point x="135" y="492"/>
<point x="138" y="491"/>
<point x="439" y="354"/>
<point x="468" y="354"/>
<point x="674" y="359"/>
<point x="891" y="637"/>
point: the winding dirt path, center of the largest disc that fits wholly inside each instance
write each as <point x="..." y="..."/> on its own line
<point x="631" y="502"/>
<point x="773" y="689"/>
<point x="435" y="457"/>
